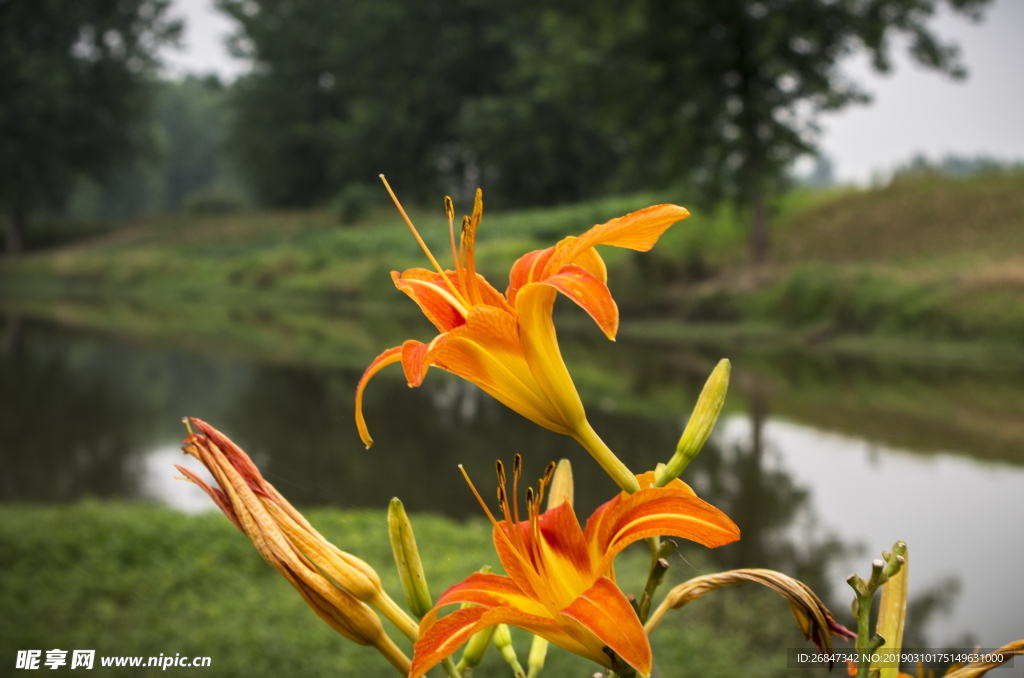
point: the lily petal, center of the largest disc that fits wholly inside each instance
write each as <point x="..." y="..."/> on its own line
<point x="486" y="351"/>
<point x="432" y="296"/>
<point x="606" y="613"/>
<point x="654" y="512"/>
<point x="526" y="270"/>
<point x="534" y="304"/>
<point x="392" y="355"/>
<point x="565" y="553"/>
<point x="590" y="293"/>
<point x="636" y="231"/>
<point x="416" y="359"/>
<point x="444" y="637"/>
<point x="485" y="590"/>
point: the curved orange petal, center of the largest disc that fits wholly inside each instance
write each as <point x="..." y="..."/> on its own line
<point x="590" y="293"/>
<point x="443" y="638"/>
<point x="669" y="510"/>
<point x="448" y="633"/>
<point x="417" y="358"/>
<point x="486" y="590"/>
<point x="524" y="271"/>
<point x="392" y="355"/>
<point x="432" y="296"/>
<point x="636" y="231"/>
<point x="606" y="613"/>
<point x="534" y="304"/>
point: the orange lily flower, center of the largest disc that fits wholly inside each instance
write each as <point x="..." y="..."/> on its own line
<point x="560" y="584"/>
<point x="506" y="344"/>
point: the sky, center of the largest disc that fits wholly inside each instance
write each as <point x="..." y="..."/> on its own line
<point x="914" y="111"/>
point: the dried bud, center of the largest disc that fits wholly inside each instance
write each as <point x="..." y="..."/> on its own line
<point x="290" y="544"/>
<point x="702" y="420"/>
<point x="814" y="619"/>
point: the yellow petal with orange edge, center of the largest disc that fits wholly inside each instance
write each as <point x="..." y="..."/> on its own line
<point x="534" y="305"/>
<point x="388" y="357"/>
<point x="486" y="352"/>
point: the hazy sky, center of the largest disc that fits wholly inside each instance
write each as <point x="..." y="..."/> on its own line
<point x="913" y="110"/>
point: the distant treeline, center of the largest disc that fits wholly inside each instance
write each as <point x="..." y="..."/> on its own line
<point x="538" y="101"/>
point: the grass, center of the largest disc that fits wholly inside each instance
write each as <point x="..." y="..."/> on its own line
<point x="925" y="259"/>
<point x="138" y="580"/>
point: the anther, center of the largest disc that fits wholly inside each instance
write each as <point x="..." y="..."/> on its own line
<point x="449" y="209"/>
<point x="529" y="496"/>
<point x="501" y="471"/>
<point x="548" y="472"/>
<point x="517" y="466"/>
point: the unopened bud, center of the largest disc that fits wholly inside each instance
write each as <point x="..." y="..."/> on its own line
<point x="538" y="653"/>
<point x="561" y="485"/>
<point x="407" y="560"/>
<point x="892" y="612"/>
<point x="503" y="641"/>
<point x="705" y="414"/>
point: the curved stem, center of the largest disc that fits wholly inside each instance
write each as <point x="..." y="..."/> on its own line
<point x="612" y="465"/>
<point x="397" y="616"/>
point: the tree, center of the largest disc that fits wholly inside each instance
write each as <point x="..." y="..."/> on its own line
<point x="341" y="91"/>
<point x="75" y="78"/>
<point x="724" y="95"/>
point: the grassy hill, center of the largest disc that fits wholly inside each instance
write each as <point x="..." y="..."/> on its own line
<point x="925" y="257"/>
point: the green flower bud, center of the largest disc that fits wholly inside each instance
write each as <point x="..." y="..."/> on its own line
<point x="407" y="559"/>
<point x="703" y="419"/>
<point x="538" y="653"/>
<point x="503" y="641"/>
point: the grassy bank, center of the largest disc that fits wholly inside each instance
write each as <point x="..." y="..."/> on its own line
<point x="925" y="257"/>
<point x="137" y="580"/>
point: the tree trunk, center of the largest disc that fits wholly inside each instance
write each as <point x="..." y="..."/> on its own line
<point x="759" y="228"/>
<point x="16" y="230"/>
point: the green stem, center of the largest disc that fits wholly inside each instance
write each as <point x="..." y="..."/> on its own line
<point x="612" y="465"/>
<point x="449" y="667"/>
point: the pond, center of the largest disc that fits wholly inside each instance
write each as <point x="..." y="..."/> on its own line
<point x="822" y="461"/>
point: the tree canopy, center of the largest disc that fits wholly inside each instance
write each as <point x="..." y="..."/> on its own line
<point x="551" y="101"/>
<point x="75" y="78"/>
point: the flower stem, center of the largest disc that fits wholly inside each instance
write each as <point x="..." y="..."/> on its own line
<point x="612" y="465"/>
<point x="449" y="667"/>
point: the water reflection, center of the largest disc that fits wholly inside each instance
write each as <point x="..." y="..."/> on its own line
<point x="84" y="415"/>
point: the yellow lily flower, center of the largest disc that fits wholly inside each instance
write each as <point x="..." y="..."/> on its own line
<point x="506" y="343"/>
<point x="560" y="584"/>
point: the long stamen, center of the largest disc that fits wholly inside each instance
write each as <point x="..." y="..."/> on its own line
<point x="430" y="256"/>
<point x="449" y="210"/>
<point x="517" y="470"/>
<point x="540" y="586"/>
<point x="517" y="539"/>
